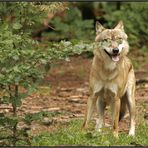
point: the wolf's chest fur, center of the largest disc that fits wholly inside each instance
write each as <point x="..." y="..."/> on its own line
<point x="107" y="90"/>
<point x="109" y="83"/>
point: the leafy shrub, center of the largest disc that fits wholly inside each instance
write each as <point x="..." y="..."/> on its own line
<point x="20" y="63"/>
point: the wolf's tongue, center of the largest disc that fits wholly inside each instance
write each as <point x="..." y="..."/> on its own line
<point x="115" y="58"/>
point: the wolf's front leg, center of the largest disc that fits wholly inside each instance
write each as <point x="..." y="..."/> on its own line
<point x="91" y="103"/>
<point x="115" y="115"/>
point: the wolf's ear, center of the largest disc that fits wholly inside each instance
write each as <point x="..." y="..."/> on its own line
<point x="120" y="26"/>
<point x="99" y="28"/>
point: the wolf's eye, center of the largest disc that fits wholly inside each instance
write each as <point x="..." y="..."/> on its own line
<point x="105" y="40"/>
<point x="119" y="41"/>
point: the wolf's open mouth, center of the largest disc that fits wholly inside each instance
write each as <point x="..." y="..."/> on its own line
<point x="114" y="57"/>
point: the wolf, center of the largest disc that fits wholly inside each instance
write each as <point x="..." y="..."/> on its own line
<point x="112" y="78"/>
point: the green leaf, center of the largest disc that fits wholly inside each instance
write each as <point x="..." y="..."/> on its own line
<point x="5" y="99"/>
<point x="15" y="57"/>
<point x="17" y="26"/>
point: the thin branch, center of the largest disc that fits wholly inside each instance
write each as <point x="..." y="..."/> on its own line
<point x="139" y="81"/>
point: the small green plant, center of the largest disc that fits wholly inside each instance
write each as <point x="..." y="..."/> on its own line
<point x="39" y="116"/>
<point x="20" y="58"/>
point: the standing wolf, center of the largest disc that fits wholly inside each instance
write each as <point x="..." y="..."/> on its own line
<point x="112" y="79"/>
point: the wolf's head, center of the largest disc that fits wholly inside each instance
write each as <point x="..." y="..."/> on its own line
<point x="112" y="42"/>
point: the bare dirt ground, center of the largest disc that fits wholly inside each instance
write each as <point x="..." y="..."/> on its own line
<point x="65" y="90"/>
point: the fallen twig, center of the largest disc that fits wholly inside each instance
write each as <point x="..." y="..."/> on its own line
<point x="141" y="71"/>
<point x="139" y="81"/>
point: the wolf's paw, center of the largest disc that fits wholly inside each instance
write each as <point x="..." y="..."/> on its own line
<point x="131" y="133"/>
<point x="98" y="130"/>
<point x="115" y="134"/>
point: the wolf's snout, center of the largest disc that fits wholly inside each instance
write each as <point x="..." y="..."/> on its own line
<point x="115" y="50"/>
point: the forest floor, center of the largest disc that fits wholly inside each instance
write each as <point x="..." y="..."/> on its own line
<point x="65" y="91"/>
<point x="62" y="97"/>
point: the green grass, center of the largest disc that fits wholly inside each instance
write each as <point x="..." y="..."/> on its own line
<point x="73" y="135"/>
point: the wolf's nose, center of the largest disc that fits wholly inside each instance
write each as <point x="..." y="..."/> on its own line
<point x="115" y="50"/>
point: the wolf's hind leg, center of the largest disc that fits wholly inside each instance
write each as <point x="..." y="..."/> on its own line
<point x="131" y="107"/>
<point x="100" y="109"/>
<point x="131" y="101"/>
<point x="123" y="107"/>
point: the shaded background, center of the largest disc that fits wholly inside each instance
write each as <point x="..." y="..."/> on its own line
<point x="79" y="20"/>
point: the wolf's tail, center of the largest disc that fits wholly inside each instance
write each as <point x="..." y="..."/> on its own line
<point x="123" y="107"/>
